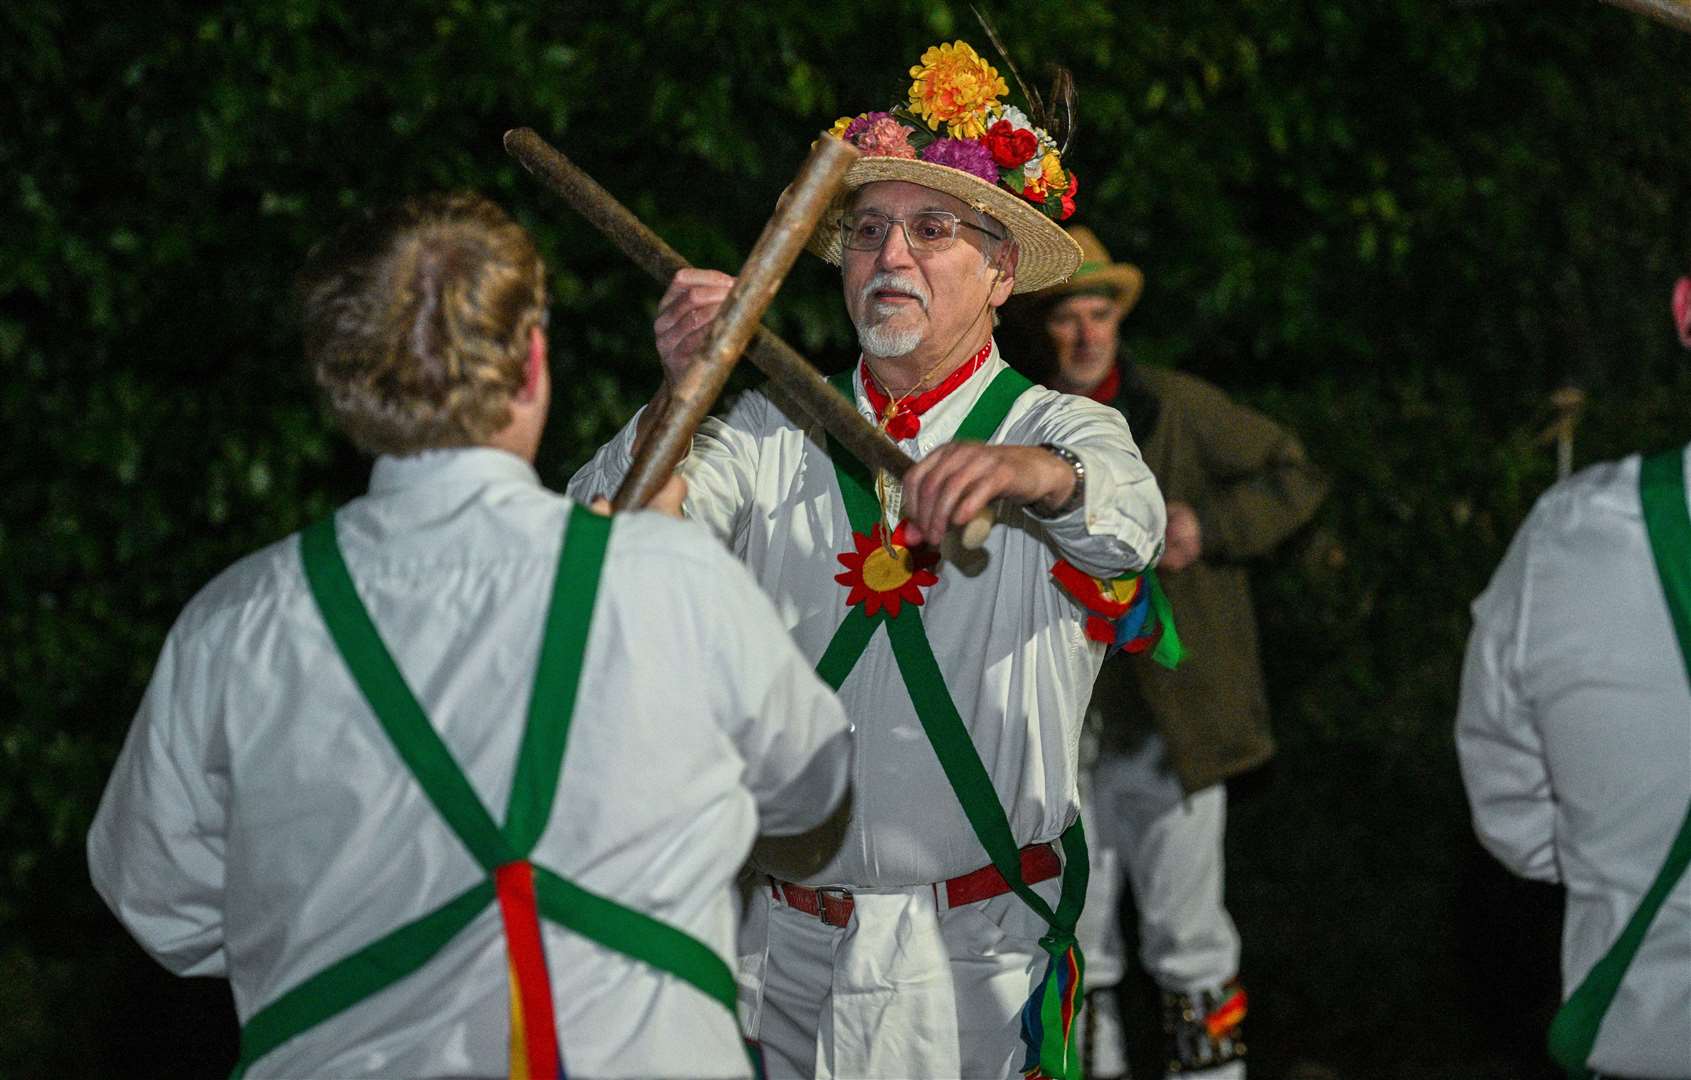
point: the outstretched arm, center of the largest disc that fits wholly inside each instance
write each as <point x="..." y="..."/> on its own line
<point x="1116" y="525"/>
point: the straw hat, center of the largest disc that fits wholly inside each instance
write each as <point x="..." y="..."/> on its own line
<point x="1097" y="273"/>
<point x="955" y="135"/>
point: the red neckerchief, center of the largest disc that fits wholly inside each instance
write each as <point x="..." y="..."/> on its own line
<point x="1106" y="391"/>
<point x="906" y="419"/>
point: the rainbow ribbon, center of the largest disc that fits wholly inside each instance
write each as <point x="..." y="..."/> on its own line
<point x="534" y="1034"/>
<point x="1048" y="1026"/>
<point x="1129" y="614"/>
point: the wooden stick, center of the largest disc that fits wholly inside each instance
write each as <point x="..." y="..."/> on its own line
<point x="754" y="287"/>
<point x="772" y="356"/>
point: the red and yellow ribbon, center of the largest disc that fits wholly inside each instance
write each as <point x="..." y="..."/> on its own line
<point x="534" y="1034"/>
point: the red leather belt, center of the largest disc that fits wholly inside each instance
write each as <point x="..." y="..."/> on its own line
<point x="834" y="904"/>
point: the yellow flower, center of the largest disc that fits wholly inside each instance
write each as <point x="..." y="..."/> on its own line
<point x="1051" y="171"/>
<point x="840" y="125"/>
<point x="954" y="86"/>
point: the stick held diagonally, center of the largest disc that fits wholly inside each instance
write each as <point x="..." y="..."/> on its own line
<point x="754" y="287"/>
<point x="774" y="357"/>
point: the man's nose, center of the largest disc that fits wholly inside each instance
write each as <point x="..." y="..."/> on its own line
<point x="895" y="250"/>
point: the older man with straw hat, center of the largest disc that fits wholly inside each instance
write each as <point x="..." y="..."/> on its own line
<point x="938" y="939"/>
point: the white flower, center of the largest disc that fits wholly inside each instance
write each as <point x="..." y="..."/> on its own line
<point x="1017" y="118"/>
<point x="1036" y="164"/>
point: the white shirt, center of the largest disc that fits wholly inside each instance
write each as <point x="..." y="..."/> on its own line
<point x="1010" y="642"/>
<point x="1574" y="732"/>
<point x="259" y="824"/>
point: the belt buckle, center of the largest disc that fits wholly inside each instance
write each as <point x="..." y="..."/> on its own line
<point x="841" y="896"/>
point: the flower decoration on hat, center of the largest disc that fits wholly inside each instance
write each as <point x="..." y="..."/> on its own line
<point x="954" y="86"/>
<point x="886" y="572"/>
<point x="955" y="117"/>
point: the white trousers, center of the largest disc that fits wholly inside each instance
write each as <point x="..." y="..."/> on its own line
<point x="1170" y="844"/>
<point x="907" y="988"/>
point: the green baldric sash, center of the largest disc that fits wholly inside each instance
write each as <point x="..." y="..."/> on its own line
<point x="1048" y="1020"/>
<point x="1661" y="489"/>
<point x="501" y="851"/>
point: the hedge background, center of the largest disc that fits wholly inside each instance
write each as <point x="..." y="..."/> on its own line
<point x="1396" y="226"/>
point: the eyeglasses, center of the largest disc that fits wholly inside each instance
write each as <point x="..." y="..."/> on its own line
<point x="931" y="230"/>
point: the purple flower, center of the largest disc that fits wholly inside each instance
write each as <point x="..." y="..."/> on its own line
<point x="856" y="127"/>
<point x="964" y="154"/>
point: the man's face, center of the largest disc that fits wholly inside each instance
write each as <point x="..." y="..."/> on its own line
<point x="1083" y="333"/>
<point x="906" y="302"/>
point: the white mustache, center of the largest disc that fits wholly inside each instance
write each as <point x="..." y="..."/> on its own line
<point x="886" y="279"/>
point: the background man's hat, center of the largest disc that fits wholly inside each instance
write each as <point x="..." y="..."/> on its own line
<point x="1097" y="273"/>
<point x="955" y="136"/>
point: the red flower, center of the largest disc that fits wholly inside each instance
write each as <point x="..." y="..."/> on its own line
<point x="1068" y="196"/>
<point x="878" y="579"/>
<point x="1011" y="146"/>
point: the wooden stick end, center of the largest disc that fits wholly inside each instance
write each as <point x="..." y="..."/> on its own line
<point x="975" y="532"/>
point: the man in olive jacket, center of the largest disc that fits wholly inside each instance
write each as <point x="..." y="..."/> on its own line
<point x="1236" y="485"/>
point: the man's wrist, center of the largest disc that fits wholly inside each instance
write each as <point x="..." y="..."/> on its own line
<point x="1077" y="494"/>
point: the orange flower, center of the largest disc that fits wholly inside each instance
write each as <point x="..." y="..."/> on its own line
<point x="1051" y="171"/>
<point x="880" y="579"/>
<point x="954" y="86"/>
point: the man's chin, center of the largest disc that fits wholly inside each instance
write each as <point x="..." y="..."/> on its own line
<point x="890" y="341"/>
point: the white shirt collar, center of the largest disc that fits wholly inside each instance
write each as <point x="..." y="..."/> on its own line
<point x="458" y="466"/>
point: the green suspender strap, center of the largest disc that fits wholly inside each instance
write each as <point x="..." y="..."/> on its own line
<point x="1667" y="523"/>
<point x="1048" y="1019"/>
<point x="524" y="891"/>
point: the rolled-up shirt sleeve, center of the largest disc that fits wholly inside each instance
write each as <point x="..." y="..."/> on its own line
<point x="1118" y="527"/>
<point x="156" y="848"/>
<point x="720" y="466"/>
<point x="1498" y="742"/>
<point x="603" y="473"/>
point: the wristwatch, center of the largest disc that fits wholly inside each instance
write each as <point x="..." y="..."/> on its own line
<point x="1078" y="495"/>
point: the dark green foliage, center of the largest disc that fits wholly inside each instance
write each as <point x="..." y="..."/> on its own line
<point x="1396" y="226"/>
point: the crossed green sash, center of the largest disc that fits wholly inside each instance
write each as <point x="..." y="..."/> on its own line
<point x="1049" y="1020"/>
<point x="1667" y="523"/>
<point x="540" y="759"/>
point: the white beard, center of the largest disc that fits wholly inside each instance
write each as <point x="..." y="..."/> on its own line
<point x="881" y="340"/>
<point x="873" y="334"/>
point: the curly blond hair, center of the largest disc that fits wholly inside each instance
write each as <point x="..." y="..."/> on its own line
<point x="417" y="322"/>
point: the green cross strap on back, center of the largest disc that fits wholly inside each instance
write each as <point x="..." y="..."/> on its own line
<point x="540" y="758"/>
<point x="1048" y="1023"/>
<point x="1667" y="523"/>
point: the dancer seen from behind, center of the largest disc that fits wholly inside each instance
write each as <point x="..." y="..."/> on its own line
<point x="393" y="776"/>
<point x="1574" y="735"/>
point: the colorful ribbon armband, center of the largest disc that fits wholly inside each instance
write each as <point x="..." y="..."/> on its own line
<point x="1128" y="614"/>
